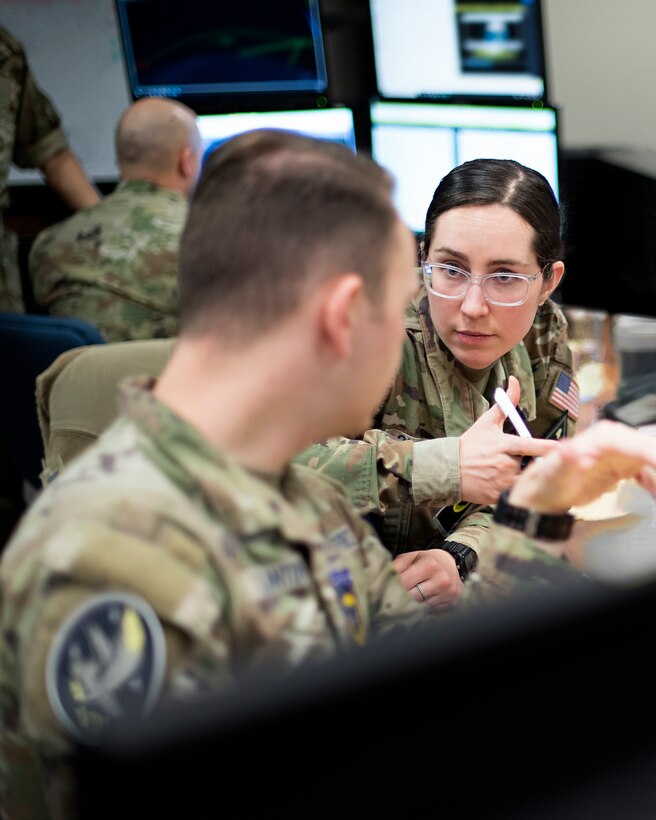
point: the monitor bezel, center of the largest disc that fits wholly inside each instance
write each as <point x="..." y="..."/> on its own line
<point x="226" y="99"/>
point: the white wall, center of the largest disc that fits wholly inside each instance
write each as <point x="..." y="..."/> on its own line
<point x="75" y="55"/>
<point x="602" y="71"/>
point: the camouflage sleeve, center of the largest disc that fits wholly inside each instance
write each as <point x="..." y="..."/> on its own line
<point x="436" y="472"/>
<point x="88" y="557"/>
<point x="473" y="529"/>
<point x="511" y="563"/>
<point x="38" y="127"/>
<point x="375" y="470"/>
<point x="380" y="469"/>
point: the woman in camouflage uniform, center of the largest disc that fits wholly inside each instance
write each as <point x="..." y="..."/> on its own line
<point x="491" y="257"/>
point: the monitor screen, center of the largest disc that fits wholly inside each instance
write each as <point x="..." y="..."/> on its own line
<point x="458" y="48"/>
<point x="323" y="123"/>
<point x="421" y="142"/>
<point x="199" y="49"/>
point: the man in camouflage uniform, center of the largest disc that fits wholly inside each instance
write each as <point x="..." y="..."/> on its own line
<point x="182" y="545"/>
<point x="116" y="265"/>
<point x="30" y="137"/>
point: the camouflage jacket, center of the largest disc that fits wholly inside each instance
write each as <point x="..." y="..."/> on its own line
<point x="403" y="486"/>
<point x="235" y="569"/>
<point x="115" y="264"/>
<point x="512" y="564"/>
<point x="30" y="133"/>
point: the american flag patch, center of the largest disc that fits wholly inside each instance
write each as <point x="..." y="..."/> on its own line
<point x="565" y="395"/>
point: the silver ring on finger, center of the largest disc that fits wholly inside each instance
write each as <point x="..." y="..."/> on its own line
<point x="424" y="597"/>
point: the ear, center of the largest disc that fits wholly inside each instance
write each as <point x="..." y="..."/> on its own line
<point x="341" y="312"/>
<point x="558" y="269"/>
<point x="187" y="163"/>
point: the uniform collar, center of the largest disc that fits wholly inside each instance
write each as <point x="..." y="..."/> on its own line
<point x="143" y="186"/>
<point x="245" y="502"/>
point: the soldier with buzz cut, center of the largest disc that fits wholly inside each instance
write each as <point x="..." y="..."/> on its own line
<point x="116" y="264"/>
<point x="184" y="549"/>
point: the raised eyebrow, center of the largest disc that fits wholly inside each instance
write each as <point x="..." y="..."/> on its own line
<point x="510" y="262"/>
<point x="491" y="263"/>
<point x="451" y="252"/>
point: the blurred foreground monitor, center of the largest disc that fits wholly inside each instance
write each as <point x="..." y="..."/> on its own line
<point x="533" y="708"/>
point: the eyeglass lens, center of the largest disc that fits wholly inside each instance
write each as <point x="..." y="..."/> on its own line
<point x="452" y="283"/>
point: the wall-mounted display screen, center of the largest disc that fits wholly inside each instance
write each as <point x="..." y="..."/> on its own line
<point x="200" y="48"/>
<point x="421" y="142"/>
<point x="458" y="48"/>
<point x="334" y="124"/>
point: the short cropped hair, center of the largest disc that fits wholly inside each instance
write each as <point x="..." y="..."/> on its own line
<point x="151" y="133"/>
<point x="275" y="213"/>
<point x="502" y="182"/>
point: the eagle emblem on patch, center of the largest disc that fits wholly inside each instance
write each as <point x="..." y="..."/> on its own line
<point x="106" y="665"/>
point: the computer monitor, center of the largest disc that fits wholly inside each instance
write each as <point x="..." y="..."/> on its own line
<point x="458" y="48"/>
<point x="421" y="142"/>
<point x="540" y="707"/>
<point x="195" y="50"/>
<point x="334" y="124"/>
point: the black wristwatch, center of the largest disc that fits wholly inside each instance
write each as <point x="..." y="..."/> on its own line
<point x="466" y="558"/>
<point x="532" y="523"/>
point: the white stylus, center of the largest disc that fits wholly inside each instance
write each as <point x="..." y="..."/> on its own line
<point x="508" y="409"/>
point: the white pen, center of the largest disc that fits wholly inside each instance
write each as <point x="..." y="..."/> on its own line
<point x="508" y="409"/>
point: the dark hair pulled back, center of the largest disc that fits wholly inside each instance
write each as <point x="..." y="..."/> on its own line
<point x="502" y="182"/>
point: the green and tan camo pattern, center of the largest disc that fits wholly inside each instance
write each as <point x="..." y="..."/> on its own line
<point x="115" y="264"/>
<point x="30" y="133"/>
<point x="432" y="398"/>
<point x="240" y="570"/>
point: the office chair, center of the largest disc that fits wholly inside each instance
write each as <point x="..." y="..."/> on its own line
<point x="68" y="426"/>
<point x="29" y="344"/>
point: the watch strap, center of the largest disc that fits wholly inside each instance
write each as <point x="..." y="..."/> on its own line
<point x="532" y="523"/>
<point x="465" y="557"/>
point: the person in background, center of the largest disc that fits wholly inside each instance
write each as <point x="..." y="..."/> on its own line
<point x="116" y="264"/>
<point x="31" y="136"/>
<point x="491" y="257"/>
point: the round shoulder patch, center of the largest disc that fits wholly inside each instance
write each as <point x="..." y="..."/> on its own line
<point x="106" y="664"/>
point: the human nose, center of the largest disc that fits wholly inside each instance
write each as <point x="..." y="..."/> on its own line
<point x="474" y="303"/>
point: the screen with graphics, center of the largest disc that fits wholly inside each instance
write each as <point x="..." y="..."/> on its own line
<point x="201" y="48"/>
<point x="421" y="142"/>
<point x="458" y="48"/>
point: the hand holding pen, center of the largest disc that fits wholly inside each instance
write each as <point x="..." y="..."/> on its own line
<point x="489" y="458"/>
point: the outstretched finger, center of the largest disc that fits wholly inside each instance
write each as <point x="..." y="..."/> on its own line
<point x="513" y="390"/>
<point x="517" y="446"/>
